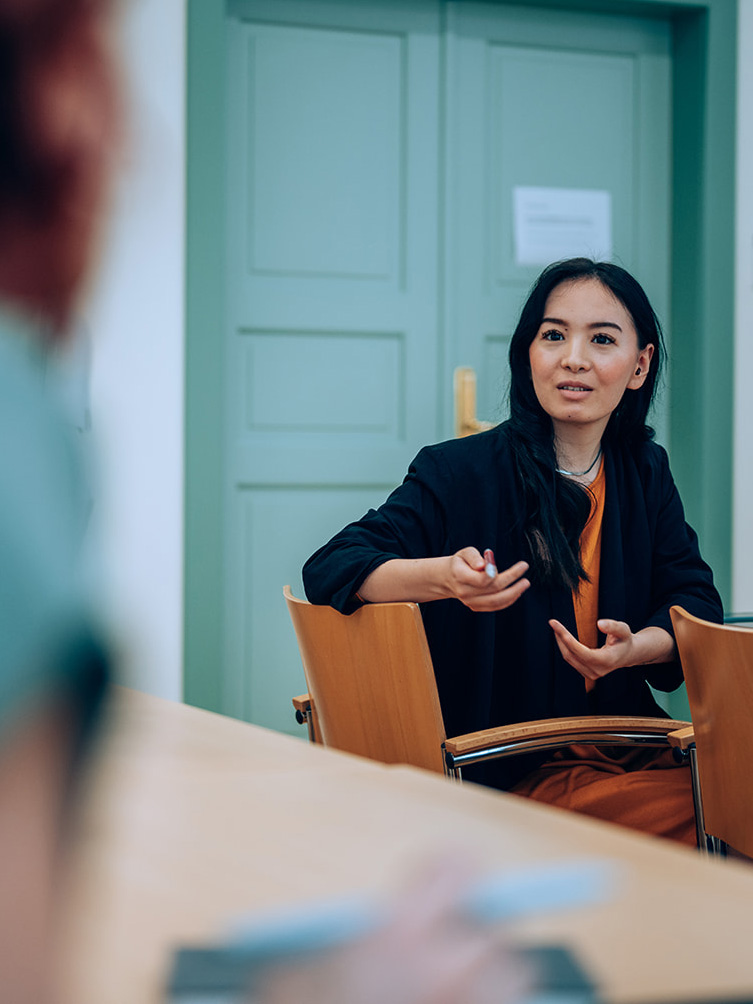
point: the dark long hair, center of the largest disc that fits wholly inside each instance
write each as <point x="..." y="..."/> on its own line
<point x="557" y="508"/>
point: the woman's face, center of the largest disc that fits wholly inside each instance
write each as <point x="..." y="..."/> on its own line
<point x="585" y="355"/>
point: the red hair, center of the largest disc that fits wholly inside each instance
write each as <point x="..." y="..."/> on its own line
<point x="58" y="123"/>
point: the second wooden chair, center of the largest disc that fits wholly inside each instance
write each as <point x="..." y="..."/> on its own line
<point x="717" y="660"/>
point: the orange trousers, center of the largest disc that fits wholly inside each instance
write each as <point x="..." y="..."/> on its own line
<point x="643" y="789"/>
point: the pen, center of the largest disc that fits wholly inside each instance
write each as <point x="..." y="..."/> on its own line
<point x="490" y="568"/>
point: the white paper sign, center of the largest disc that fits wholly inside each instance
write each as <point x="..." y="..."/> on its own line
<point x="554" y="223"/>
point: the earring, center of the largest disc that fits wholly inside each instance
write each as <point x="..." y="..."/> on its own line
<point x="638" y="371"/>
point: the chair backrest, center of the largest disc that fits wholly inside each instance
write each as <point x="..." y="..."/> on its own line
<point x="371" y="680"/>
<point x="718" y="664"/>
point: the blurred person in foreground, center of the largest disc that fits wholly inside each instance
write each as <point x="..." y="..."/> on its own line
<point x="59" y="132"/>
<point x="58" y="115"/>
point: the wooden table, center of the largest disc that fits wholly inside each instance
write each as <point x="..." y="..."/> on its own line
<point x="192" y="819"/>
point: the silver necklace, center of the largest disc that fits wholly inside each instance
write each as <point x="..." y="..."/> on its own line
<point x="580" y="474"/>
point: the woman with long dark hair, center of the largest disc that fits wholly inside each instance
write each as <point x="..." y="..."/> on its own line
<point x="575" y="505"/>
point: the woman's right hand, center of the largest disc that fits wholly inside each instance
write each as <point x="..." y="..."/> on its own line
<point x="461" y="576"/>
<point x="468" y="581"/>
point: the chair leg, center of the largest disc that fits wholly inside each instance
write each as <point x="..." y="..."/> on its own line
<point x="716" y="847"/>
<point x="307" y="718"/>
<point x="707" y="845"/>
<point x="702" y="840"/>
<point x="450" y="770"/>
<point x="310" y="726"/>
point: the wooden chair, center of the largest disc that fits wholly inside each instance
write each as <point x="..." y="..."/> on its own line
<point x="372" y="692"/>
<point x="717" y="660"/>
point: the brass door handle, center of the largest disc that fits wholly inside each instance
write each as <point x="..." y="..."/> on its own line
<point x="466" y="423"/>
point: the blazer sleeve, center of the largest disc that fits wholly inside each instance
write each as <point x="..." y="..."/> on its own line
<point x="412" y="523"/>
<point x="679" y="573"/>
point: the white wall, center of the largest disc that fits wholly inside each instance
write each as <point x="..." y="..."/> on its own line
<point x="136" y="320"/>
<point x="742" y="555"/>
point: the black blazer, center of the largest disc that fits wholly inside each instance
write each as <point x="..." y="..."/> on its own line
<point x="498" y="668"/>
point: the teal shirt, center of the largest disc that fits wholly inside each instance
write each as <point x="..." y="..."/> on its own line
<point x="48" y="645"/>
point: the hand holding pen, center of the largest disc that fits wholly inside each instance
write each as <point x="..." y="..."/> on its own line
<point x="475" y="580"/>
<point x="468" y="576"/>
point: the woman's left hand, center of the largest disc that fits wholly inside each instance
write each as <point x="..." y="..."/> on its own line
<point x="621" y="648"/>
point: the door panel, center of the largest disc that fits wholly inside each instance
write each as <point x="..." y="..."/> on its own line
<point x="357" y="390"/>
<point x="263" y="557"/>
<point x="565" y="134"/>
<point x="330" y="156"/>
<point x="549" y="99"/>
<point x="332" y="303"/>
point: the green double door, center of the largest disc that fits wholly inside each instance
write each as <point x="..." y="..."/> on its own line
<point x="375" y="155"/>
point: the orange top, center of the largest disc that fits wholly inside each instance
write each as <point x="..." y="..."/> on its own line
<point x="622" y="785"/>
<point x="586" y="596"/>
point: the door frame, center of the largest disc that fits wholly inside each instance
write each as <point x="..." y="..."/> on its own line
<point x="702" y="290"/>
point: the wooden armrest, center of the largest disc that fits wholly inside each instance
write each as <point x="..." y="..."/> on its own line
<point x="682" y="738"/>
<point x="306" y="712"/>
<point x="548" y="732"/>
<point x="302" y="703"/>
